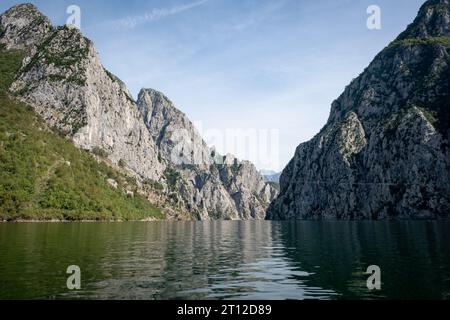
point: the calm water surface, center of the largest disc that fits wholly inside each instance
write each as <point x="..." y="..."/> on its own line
<point x="225" y="260"/>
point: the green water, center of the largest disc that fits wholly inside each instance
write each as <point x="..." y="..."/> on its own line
<point x="225" y="260"/>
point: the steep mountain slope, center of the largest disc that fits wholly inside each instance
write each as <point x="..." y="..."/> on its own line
<point x="43" y="176"/>
<point x="208" y="183"/>
<point x="63" y="80"/>
<point x="384" y="151"/>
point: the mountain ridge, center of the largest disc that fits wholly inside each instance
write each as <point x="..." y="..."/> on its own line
<point x="43" y="177"/>
<point x="384" y="151"/>
<point x="63" y="79"/>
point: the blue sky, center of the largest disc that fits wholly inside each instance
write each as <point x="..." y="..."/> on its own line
<point x="249" y="64"/>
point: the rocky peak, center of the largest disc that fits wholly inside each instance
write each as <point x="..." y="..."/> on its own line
<point x="23" y="27"/>
<point x="150" y="98"/>
<point x="63" y="79"/>
<point x="384" y="151"/>
<point x="395" y="78"/>
<point x="175" y="135"/>
<point x="212" y="185"/>
<point x="433" y="20"/>
<point x="156" y="107"/>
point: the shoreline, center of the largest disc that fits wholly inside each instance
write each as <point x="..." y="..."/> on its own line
<point x="21" y="221"/>
<point x="79" y="221"/>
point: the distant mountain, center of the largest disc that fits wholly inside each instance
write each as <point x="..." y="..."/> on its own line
<point x="64" y="82"/>
<point x="270" y="176"/>
<point x="384" y="151"/>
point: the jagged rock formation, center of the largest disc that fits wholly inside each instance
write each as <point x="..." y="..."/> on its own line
<point x="23" y="27"/>
<point x="384" y="151"/>
<point x="63" y="80"/>
<point x="206" y="182"/>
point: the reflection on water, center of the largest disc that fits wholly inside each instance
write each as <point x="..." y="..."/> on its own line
<point x="225" y="260"/>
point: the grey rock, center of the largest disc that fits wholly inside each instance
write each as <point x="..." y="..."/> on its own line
<point x="113" y="183"/>
<point x="209" y="184"/>
<point x="63" y="79"/>
<point x="23" y="27"/>
<point x="433" y="20"/>
<point x="67" y="85"/>
<point x="384" y="151"/>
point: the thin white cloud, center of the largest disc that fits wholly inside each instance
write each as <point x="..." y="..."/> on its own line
<point x="157" y="14"/>
<point x="259" y="16"/>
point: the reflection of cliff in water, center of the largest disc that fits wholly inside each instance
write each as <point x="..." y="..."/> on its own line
<point x="228" y="259"/>
<point x="246" y="260"/>
<point x="217" y="260"/>
<point x="413" y="256"/>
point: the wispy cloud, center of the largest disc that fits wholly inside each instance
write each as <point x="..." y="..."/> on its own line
<point x="157" y="14"/>
<point x="258" y="16"/>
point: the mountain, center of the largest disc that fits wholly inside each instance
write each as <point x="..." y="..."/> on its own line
<point x="210" y="184"/>
<point x="44" y="177"/>
<point x="63" y="80"/>
<point x="270" y="176"/>
<point x="384" y="151"/>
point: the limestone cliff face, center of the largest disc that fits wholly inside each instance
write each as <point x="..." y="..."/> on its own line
<point x="384" y="151"/>
<point x="23" y="27"/>
<point x="63" y="79"/>
<point x="206" y="182"/>
<point x="67" y="85"/>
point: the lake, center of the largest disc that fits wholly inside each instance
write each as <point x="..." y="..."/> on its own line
<point x="226" y="260"/>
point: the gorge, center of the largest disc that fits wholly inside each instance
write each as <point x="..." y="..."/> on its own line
<point x="383" y="153"/>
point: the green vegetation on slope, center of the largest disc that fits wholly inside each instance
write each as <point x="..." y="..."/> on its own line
<point x="43" y="176"/>
<point x="442" y="40"/>
<point x="431" y="80"/>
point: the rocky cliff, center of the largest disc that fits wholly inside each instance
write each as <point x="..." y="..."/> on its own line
<point x="384" y="151"/>
<point x="205" y="182"/>
<point x="63" y="79"/>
